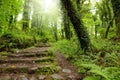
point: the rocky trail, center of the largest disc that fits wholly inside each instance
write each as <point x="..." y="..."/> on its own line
<point x="36" y="63"/>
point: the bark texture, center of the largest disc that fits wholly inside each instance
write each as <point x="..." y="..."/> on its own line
<point x="116" y="9"/>
<point x="78" y="25"/>
<point x="26" y="14"/>
<point x="67" y="26"/>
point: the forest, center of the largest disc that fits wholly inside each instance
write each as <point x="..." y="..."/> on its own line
<point x="59" y="39"/>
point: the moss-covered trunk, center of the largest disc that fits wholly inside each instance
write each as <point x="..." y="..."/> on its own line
<point x="26" y="14"/>
<point x="67" y="26"/>
<point x="78" y="25"/>
<point x="116" y="9"/>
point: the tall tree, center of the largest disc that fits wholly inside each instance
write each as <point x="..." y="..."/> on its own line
<point x="116" y="9"/>
<point x="26" y="14"/>
<point x="78" y="25"/>
<point x="110" y="17"/>
<point x="66" y="25"/>
<point x="9" y="10"/>
<point x="36" y="16"/>
<point x="104" y="9"/>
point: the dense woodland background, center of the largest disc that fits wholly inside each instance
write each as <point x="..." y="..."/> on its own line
<point x="87" y="32"/>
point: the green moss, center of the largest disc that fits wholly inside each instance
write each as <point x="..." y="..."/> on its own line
<point x="47" y="70"/>
<point x="49" y="59"/>
<point x="19" y="70"/>
<point x="11" y="39"/>
<point x="3" y="53"/>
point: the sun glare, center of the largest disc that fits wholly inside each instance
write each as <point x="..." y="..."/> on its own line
<point x="49" y="4"/>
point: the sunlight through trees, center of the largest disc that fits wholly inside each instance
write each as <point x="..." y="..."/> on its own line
<point x="85" y="32"/>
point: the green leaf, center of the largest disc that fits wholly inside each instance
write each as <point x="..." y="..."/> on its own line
<point x="92" y="78"/>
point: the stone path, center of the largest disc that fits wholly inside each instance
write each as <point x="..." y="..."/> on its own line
<point x="36" y="63"/>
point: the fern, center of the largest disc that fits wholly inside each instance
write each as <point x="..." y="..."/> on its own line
<point x="113" y="58"/>
<point x="109" y="73"/>
<point x="92" y="78"/>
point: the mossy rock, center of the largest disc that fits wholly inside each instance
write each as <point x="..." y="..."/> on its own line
<point x="49" y="59"/>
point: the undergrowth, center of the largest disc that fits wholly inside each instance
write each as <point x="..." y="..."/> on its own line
<point x="11" y="39"/>
<point x="66" y="47"/>
<point x="102" y="64"/>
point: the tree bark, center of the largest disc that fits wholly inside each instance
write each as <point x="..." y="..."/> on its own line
<point x="10" y="21"/>
<point x="66" y="26"/>
<point x="108" y="28"/>
<point x="116" y="9"/>
<point x="78" y="25"/>
<point x="55" y="31"/>
<point x="26" y="14"/>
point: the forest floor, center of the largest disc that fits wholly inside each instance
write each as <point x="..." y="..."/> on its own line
<point x="36" y="63"/>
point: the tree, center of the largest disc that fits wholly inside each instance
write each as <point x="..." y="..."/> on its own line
<point x="26" y="14"/>
<point x="116" y="10"/>
<point x="9" y="10"/>
<point x="80" y="30"/>
<point x="54" y="25"/>
<point x="66" y="24"/>
<point x="15" y="7"/>
<point x="104" y="9"/>
<point x="37" y="13"/>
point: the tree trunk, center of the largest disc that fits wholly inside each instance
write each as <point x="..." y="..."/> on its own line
<point x="96" y="31"/>
<point x="116" y="9"/>
<point x="108" y="28"/>
<point x="62" y="33"/>
<point x="55" y="32"/>
<point x="26" y="14"/>
<point x="10" y="22"/>
<point x="78" y="25"/>
<point x="66" y="26"/>
<point x="109" y="19"/>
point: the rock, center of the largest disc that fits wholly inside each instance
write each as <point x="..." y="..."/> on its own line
<point x="14" y="78"/>
<point x="66" y="70"/>
<point x="41" y="77"/>
<point x="32" y="70"/>
<point x="32" y="78"/>
<point x="71" y="77"/>
<point x="5" y="77"/>
<point x="57" y="76"/>
<point x="23" y="77"/>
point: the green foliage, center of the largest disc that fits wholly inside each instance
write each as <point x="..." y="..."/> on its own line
<point x="7" y="8"/>
<point x="91" y="78"/>
<point x="47" y="70"/>
<point x="104" y="45"/>
<point x="102" y="64"/>
<point x="112" y="59"/>
<point x="67" y="47"/>
<point x="3" y="54"/>
<point x="105" y="73"/>
<point x="16" y="39"/>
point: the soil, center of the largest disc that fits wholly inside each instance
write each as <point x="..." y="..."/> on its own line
<point x="65" y="64"/>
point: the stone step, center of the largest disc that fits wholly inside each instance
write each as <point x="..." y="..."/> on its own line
<point x="35" y="54"/>
<point x="26" y="60"/>
<point x="32" y="77"/>
<point x="28" y="68"/>
<point x="34" y="50"/>
<point x="30" y="51"/>
<point x="23" y="77"/>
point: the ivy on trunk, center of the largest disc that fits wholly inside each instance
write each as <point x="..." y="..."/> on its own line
<point x="78" y="25"/>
